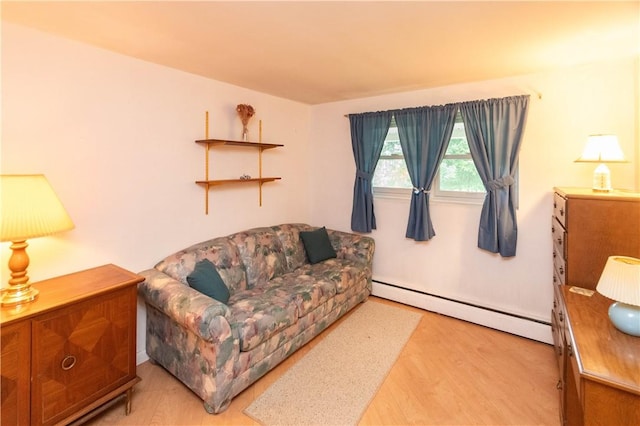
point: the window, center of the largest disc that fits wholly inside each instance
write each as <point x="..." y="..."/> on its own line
<point x="391" y="170"/>
<point x="457" y="178"/>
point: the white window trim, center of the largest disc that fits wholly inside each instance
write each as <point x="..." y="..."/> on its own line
<point x="392" y="193"/>
<point x="458" y="197"/>
<point x="448" y="197"/>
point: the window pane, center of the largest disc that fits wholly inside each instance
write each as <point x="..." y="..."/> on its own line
<point x="460" y="175"/>
<point x="392" y="143"/>
<point x="458" y="146"/>
<point x="391" y="174"/>
<point x="458" y="143"/>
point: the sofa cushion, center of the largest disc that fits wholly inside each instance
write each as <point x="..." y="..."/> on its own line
<point x="344" y="273"/>
<point x="289" y="235"/>
<point x="220" y="251"/>
<point x="207" y="280"/>
<point x="261" y="253"/>
<point x="317" y="245"/>
<point x="258" y="314"/>
<point x="305" y="291"/>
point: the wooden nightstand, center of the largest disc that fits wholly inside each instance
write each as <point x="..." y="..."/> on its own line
<point x="72" y="350"/>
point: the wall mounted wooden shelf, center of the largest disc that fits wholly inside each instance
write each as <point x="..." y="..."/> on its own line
<point x="215" y="143"/>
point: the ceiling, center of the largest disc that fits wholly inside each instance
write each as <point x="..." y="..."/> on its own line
<point x="324" y="51"/>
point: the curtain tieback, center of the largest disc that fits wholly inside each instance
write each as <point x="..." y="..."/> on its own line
<point x="502" y="182"/>
<point x="364" y="175"/>
<point x="416" y="191"/>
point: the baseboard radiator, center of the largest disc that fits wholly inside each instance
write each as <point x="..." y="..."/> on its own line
<point x="530" y="328"/>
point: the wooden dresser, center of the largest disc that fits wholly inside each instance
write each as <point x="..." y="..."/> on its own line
<point x="72" y="350"/>
<point x="587" y="228"/>
<point x="602" y="364"/>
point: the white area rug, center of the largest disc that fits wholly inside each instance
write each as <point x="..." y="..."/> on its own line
<point x="334" y="383"/>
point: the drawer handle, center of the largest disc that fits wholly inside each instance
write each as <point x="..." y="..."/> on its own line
<point x="561" y="212"/>
<point x="561" y="316"/>
<point x="559" y="385"/>
<point x="561" y="270"/>
<point x="68" y="362"/>
<point x="560" y="240"/>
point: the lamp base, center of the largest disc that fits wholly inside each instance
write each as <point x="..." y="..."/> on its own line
<point x="602" y="179"/>
<point x="625" y="318"/>
<point x="16" y="296"/>
<point x="19" y="290"/>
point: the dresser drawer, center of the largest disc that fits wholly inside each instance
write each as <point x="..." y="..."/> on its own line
<point x="558" y="309"/>
<point x="559" y="236"/>
<point x="572" y="363"/>
<point x="559" y="267"/>
<point x="558" y="316"/>
<point x="82" y="352"/>
<point x="560" y="209"/>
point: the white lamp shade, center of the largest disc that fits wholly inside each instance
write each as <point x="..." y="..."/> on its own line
<point x="602" y="148"/>
<point x="30" y="208"/>
<point x="620" y="280"/>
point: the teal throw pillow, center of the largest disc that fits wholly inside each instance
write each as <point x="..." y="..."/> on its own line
<point x="206" y="279"/>
<point x="317" y="245"/>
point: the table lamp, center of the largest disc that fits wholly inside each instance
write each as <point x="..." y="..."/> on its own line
<point x="602" y="149"/>
<point x="29" y="208"/>
<point x="620" y="281"/>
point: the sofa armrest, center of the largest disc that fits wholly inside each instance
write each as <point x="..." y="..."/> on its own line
<point x="355" y="247"/>
<point x="204" y="316"/>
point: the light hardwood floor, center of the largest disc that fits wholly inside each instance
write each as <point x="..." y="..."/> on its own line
<point x="450" y="373"/>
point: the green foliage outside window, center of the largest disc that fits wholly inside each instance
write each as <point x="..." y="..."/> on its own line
<point x="457" y="171"/>
<point x="391" y="171"/>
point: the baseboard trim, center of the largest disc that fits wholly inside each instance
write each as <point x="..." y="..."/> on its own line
<point x="141" y="357"/>
<point x="529" y="328"/>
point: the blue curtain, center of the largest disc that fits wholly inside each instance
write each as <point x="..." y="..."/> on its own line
<point x="368" y="132"/>
<point x="424" y="136"/>
<point x="494" y="131"/>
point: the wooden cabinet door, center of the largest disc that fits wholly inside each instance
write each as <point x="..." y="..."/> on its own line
<point x="82" y="352"/>
<point x="15" y="345"/>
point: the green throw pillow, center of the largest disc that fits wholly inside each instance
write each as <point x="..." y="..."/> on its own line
<point x="317" y="245"/>
<point x="206" y="279"/>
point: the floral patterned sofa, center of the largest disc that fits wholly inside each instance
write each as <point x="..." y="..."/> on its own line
<point x="278" y="302"/>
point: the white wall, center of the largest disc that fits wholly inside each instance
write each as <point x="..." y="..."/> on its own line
<point x="575" y="102"/>
<point x="115" y="137"/>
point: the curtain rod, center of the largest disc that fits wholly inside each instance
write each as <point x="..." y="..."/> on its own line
<point x="537" y="94"/>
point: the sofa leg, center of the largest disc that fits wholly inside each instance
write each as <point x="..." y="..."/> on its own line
<point x="211" y="409"/>
<point x="208" y="408"/>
